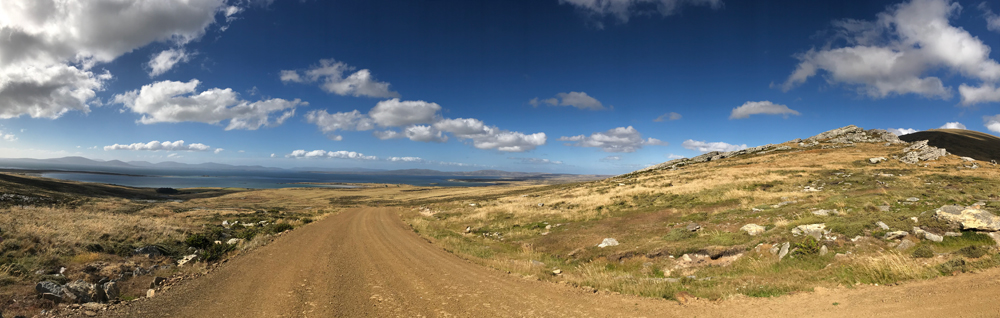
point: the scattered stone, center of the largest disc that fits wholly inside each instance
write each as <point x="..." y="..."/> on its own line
<point x="784" y="250"/>
<point x="896" y="235"/>
<point x="912" y="199"/>
<point x="225" y="224"/>
<point x="86" y="292"/>
<point x="905" y="245"/>
<point x="234" y="241"/>
<point x="825" y="212"/>
<point x="970" y="218"/>
<point x="48" y="287"/>
<point x="884" y="208"/>
<point x="752" y="229"/>
<point x="921" y="151"/>
<point x="218" y="242"/>
<point x="811" y="189"/>
<point x="557" y="271"/>
<point x="89" y="313"/>
<point x="186" y="259"/>
<point x="468" y="229"/>
<point x="684" y="297"/>
<point x="876" y="160"/>
<point x="967" y="159"/>
<point x="882" y="225"/>
<point x="774" y="249"/>
<point x="952" y="234"/>
<point x="608" y="242"/>
<point x="823" y="250"/>
<point x="840" y="256"/>
<point x="150" y="293"/>
<point x="915" y="219"/>
<point x="693" y="227"/>
<point x="815" y="230"/>
<point x="548" y="227"/>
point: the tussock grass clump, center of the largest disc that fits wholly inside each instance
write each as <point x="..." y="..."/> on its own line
<point x="886" y="268"/>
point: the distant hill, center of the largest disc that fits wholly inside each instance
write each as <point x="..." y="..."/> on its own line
<point x="961" y="142"/>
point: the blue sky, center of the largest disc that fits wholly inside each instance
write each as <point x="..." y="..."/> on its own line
<point x="577" y="86"/>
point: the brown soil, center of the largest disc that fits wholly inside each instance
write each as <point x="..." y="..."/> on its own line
<point x="366" y="263"/>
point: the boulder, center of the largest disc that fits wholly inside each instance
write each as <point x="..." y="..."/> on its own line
<point x="186" y="259"/>
<point x="784" y="250"/>
<point x="876" y="160"/>
<point x="86" y="292"/>
<point x="969" y="218"/>
<point x="815" y="230"/>
<point x="912" y="199"/>
<point x="896" y="235"/>
<point x="882" y="225"/>
<point x="149" y="251"/>
<point x="111" y="290"/>
<point x="150" y="293"/>
<point x="234" y="241"/>
<point x="918" y="232"/>
<point x="826" y="212"/>
<point x="905" y="245"/>
<point x="48" y="287"/>
<point x="608" y="242"/>
<point x="823" y="250"/>
<point x="752" y="229"/>
<point x="693" y="227"/>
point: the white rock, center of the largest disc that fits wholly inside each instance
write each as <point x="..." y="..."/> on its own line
<point x="608" y="242"/>
<point x="876" y="160"/>
<point x="186" y="259"/>
<point x="150" y="293"/>
<point x="784" y="251"/>
<point x="234" y="241"/>
<point x="815" y="230"/>
<point x="882" y="225"/>
<point x="752" y="229"/>
<point x="823" y="250"/>
<point x="896" y="235"/>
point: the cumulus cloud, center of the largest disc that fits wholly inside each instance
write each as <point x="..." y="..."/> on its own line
<point x="703" y="146"/>
<point x="902" y="131"/>
<point x="330" y="74"/>
<point x="8" y="136"/>
<point x="172" y="102"/>
<point x="421" y="121"/>
<point x="575" y="99"/>
<point x="894" y="54"/>
<point x="622" y="10"/>
<point x="621" y="139"/>
<point x="671" y="116"/>
<point x="535" y="161"/>
<point x="218" y="150"/>
<point x="164" y="146"/>
<point x="992" y="123"/>
<point x="165" y="60"/>
<point x="48" y="48"/>
<point x="341" y="154"/>
<point x="405" y="159"/>
<point x="952" y="125"/>
<point x="611" y="158"/>
<point x="762" y="107"/>
<point x="982" y="94"/>
<point x="992" y="19"/>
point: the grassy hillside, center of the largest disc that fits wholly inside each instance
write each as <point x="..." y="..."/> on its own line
<point x="553" y="233"/>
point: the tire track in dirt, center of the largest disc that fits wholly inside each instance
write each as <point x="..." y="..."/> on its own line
<point x="366" y="263"/>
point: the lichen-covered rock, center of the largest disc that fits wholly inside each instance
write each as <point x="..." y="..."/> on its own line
<point x="921" y="151"/>
<point x="815" y="230"/>
<point x="86" y="292"/>
<point x="969" y="218"/>
<point x="752" y="229"/>
<point x="896" y="235"/>
<point x="608" y="242"/>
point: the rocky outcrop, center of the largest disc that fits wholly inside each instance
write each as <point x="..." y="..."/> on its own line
<point x="854" y="134"/>
<point x="921" y="151"/>
<point x="817" y="230"/>
<point x="969" y="218"/>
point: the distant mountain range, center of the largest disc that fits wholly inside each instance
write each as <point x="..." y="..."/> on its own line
<point x="144" y="167"/>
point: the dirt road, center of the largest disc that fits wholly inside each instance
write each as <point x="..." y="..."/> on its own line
<point x="367" y="263"/>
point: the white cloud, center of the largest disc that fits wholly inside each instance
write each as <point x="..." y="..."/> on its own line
<point x="952" y="125"/>
<point x="673" y="156"/>
<point x="346" y="121"/>
<point x="992" y="19"/>
<point x="331" y="75"/>
<point x="624" y="9"/>
<point x="762" y="107"/>
<point x="421" y="121"/>
<point x="274" y="155"/>
<point x="158" y="146"/>
<point x="342" y="154"/>
<point x="611" y="158"/>
<point x="405" y="159"/>
<point x="982" y="94"/>
<point x="395" y="113"/>
<point x="171" y="102"/>
<point x="893" y="55"/>
<point x="902" y="131"/>
<point x="711" y="146"/>
<point x="621" y="139"/>
<point x="576" y="99"/>
<point x="47" y="48"/>
<point x="218" y="150"/>
<point x="992" y="123"/>
<point x="536" y="161"/>
<point x="671" y="116"/>
<point x="164" y="61"/>
<point x="9" y="137"/>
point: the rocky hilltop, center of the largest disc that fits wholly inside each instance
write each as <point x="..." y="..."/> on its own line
<point x="836" y="138"/>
